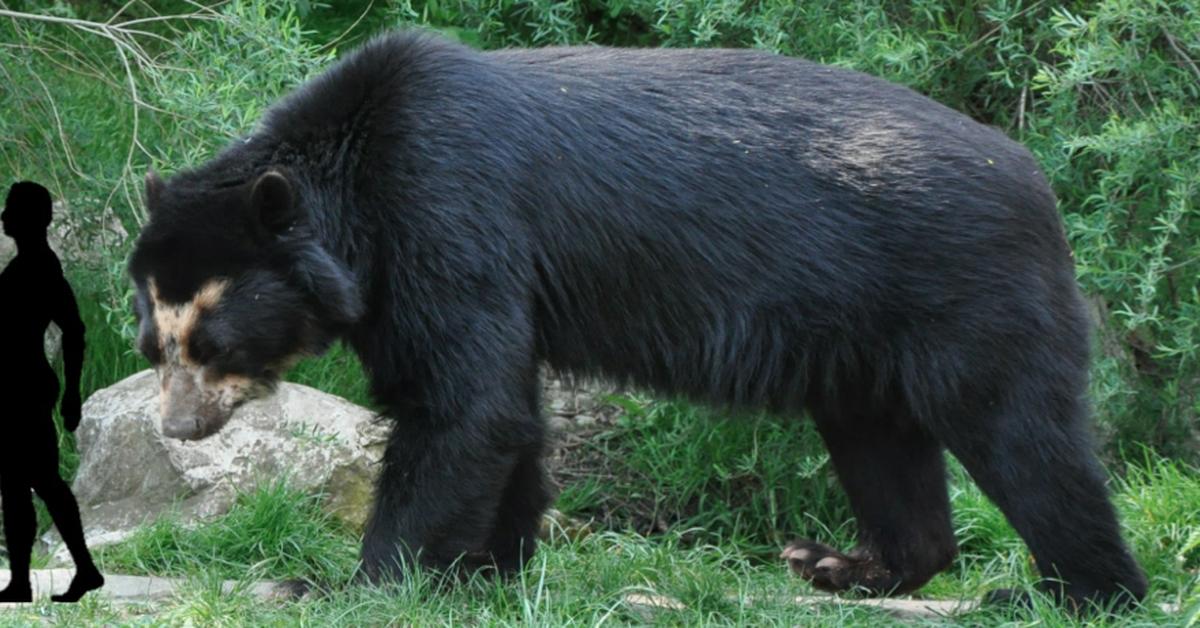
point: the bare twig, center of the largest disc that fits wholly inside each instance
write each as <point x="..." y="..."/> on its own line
<point x="1183" y="56"/>
<point x="163" y="18"/>
<point x="125" y="39"/>
<point x="134" y="142"/>
<point x="115" y="34"/>
<point x="121" y="10"/>
<point x="959" y="53"/>
<point x="1021" y="106"/>
<point x="346" y="32"/>
<point x="1179" y="265"/>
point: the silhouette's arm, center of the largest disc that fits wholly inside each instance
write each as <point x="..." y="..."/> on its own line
<point x="66" y="316"/>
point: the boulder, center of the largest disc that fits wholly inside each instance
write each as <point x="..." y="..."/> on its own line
<point x="130" y="474"/>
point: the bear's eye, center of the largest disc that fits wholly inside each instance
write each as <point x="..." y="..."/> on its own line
<point x="204" y="350"/>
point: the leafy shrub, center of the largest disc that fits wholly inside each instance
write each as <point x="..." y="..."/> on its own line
<point x="1103" y="91"/>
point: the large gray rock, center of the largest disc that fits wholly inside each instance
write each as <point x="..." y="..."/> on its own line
<point x="130" y="474"/>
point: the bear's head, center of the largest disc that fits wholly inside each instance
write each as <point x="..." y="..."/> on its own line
<point x="233" y="287"/>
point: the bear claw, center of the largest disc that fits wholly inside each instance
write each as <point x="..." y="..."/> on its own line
<point x="830" y="570"/>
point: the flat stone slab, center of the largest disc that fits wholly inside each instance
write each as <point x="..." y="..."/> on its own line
<point x="908" y="609"/>
<point x="901" y="608"/>
<point x="130" y="589"/>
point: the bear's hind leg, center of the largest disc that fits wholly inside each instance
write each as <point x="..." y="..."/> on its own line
<point x="894" y="475"/>
<point x="1028" y="449"/>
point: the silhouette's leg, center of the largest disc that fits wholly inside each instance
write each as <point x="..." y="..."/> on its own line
<point x="65" y="512"/>
<point x="19" y="527"/>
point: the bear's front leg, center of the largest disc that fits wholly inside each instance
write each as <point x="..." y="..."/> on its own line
<point x="466" y="491"/>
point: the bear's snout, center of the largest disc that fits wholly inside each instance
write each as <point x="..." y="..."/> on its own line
<point x="193" y="408"/>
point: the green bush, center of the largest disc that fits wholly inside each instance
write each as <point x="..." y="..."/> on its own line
<point x="1104" y="93"/>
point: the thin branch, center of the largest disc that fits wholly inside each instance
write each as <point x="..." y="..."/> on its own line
<point x="959" y="53"/>
<point x="1179" y="265"/>
<point x="163" y="18"/>
<point x="1021" y="106"/>
<point x="125" y="41"/>
<point x="62" y="134"/>
<point x="1180" y="52"/>
<point x="118" y="34"/>
<point x="127" y="171"/>
<point x="120" y="11"/>
<point x="346" y="32"/>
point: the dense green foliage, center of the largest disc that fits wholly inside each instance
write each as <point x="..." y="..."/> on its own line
<point x="1105" y="94"/>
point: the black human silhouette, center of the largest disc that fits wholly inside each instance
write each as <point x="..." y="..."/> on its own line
<point x="34" y="292"/>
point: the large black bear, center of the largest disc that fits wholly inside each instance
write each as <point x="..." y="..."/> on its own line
<point x="743" y="229"/>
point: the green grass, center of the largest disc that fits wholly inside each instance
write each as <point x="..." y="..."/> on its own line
<point x="338" y="372"/>
<point x="725" y="480"/>
<point x="715" y="555"/>
<point x="272" y="531"/>
<point x="573" y="582"/>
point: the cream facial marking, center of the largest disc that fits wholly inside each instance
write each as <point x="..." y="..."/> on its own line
<point x="195" y="400"/>
<point x="176" y="321"/>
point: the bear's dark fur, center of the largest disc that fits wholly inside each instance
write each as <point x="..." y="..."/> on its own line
<point x="744" y="229"/>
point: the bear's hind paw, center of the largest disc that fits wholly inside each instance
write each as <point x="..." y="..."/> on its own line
<point x="830" y="570"/>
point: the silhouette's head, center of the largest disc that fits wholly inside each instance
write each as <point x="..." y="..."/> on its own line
<point x="27" y="211"/>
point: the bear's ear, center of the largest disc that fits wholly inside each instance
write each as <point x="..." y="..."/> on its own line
<point x="328" y="282"/>
<point x="273" y="203"/>
<point x="154" y="188"/>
